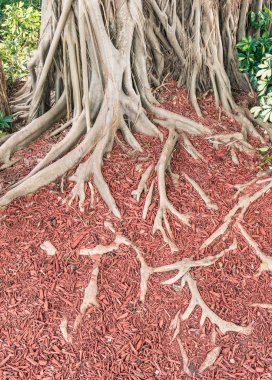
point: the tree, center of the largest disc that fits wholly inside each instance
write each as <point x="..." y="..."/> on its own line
<point x="97" y="64"/>
<point x="4" y="106"/>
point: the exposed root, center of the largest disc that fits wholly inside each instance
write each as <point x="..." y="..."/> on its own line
<point x="142" y="184"/>
<point x="62" y="128"/>
<point x="267" y="306"/>
<point x="93" y="167"/>
<point x="197" y="300"/>
<point x="100" y="250"/>
<point x="266" y="264"/>
<point x="185" y="359"/>
<point x="242" y="205"/>
<point x="233" y="140"/>
<point x="89" y="298"/>
<point x="31" y="132"/>
<point x="175" y="326"/>
<point x="188" y="146"/>
<point x="210" y="359"/>
<point x="184" y="266"/>
<point x="241" y="187"/>
<point x="148" y="200"/>
<point x="203" y="195"/>
<point x="165" y="204"/>
<point x="64" y="330"/>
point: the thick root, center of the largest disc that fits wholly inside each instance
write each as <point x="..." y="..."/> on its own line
<point x="165" y="204"/>
<point x="142" y="184"/>
<point x="31" y="132"/>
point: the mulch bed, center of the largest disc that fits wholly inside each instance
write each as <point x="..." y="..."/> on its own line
<point x="125" y="339"/>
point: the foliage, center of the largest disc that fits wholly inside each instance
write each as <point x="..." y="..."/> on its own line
<point x="34" y="3"/>
<point x="265" y="152"/>
<point x="5" y="121"/>
<point x="261" y="20"/>
<point x="255" y="58"/>
<point x="19" y="36"/>
<point x="250" y="54"/>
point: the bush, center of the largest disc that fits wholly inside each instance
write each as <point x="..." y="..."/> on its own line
<point x="5" y="122"/>
<point x="255" y="58"/>
<point x="34" y="3"/>
<point x="19" y="35"/>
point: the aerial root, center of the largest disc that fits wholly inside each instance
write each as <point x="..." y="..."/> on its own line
<point x="206" y="199"/>
<point x="266" y="261"/>
<point x="242" y="205"/>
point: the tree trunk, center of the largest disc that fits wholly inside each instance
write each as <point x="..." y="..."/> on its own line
<point x="4" y="106"/>
<point x="97" y="63"/>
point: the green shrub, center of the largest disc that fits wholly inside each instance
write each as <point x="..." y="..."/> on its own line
<point x="255" y="59"/>
<point x="34" y="3"/>
<point x="19" y="37"/>
<point x="5" y="122"/>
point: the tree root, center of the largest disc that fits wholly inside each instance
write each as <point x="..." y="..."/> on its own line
<point x="266" y="261"/>
<point x="243" y="204"/>
<point x="267" y="306"/>
<point x="197" y="300"/>
<point x="210" y="359"/>
<point x="31" y="132"/>
<point x="62" y="128"/>
<point x="185" y="359"/>
<point x="165" y="204"/>
<point x="210" y="205"/>
<point x="142" y="184"/>
<point x="233" y="140"/>
<point x="183" y="267"/>
<point x="188" y="146"/>
<point x="148" y="200"/>
<point x="90" y="297"/>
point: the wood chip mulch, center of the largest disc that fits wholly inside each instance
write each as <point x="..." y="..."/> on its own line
<point x="125" y="339"/>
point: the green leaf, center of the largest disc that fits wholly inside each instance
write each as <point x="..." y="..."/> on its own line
<point x="263" y="150"/>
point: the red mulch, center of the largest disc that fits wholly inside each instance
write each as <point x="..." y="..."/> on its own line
<point x="125" y="339"/>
